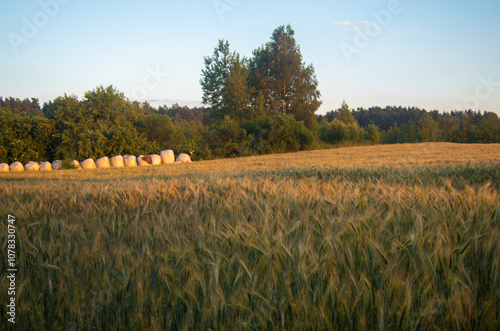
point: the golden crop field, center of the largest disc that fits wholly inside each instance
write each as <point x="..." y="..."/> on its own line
<point x="398" y="237"/>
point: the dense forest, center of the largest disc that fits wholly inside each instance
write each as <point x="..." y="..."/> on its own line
<point x="394" y="125"/>
<point x="259" y="105"/>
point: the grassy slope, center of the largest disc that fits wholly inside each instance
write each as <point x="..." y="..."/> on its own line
<point x="403" y="237"/>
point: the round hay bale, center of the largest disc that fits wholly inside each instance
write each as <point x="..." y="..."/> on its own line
<point x="102" y="163"/>
<point x="130" y="161"/>
<point x="16" y="166"/>
<point x="46" y="166"/>
<point x="117" y="162"/>
<point x="144" y="160"/>
<point x="184" y="158"/>
<point x="4" y="167"/>
<point x="31" y="166"/>
<point x="88" y="164"/>
<point x="167" y="157"/>
<point x="155" y="159"/>
<point x="57" y="165"/>
<point x="76" y="164"/>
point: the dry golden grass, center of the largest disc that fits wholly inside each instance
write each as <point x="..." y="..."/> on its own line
<point x="384" y="237"/>
<point x="403" y="155"/>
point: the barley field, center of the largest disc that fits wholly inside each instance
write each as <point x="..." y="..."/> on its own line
<point x="392" y="237"/>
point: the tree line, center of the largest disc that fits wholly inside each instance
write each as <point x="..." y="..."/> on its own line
<point x="259" y="105"/>
<point x="104" y="122"/>
<point x="414" y="125"/>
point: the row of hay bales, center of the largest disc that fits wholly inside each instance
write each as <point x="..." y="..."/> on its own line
<point x="165" y="157"/>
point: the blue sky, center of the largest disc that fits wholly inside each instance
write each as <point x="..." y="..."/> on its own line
<point x="440" y="55"/>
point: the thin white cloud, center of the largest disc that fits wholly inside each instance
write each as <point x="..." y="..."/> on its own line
<point x="350" y="24"/>
<point x="357" y="26"/>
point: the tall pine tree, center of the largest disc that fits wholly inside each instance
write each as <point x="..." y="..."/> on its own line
<point x="215" y="77"/>
<point x="288" y="85"/>
<point x="275" y="81"/>
<point x="237" y="93"/>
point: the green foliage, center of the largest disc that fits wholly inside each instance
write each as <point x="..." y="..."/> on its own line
<point x="101" y="125"/>
<point x="393" y="135"/>
<point x="242" y="120"/>
<point x="23" y="107"/>
<point x="214" y="79"/>
<point x="355" y="133"/>
<point x="227" y="139"/>
<point x="190" y="137"/>
<point x="288" y="85"/>
<point x="67" y="164"/>
<point x="263" y="135"/>
<point x="24" y="137"/>
<point x="343" y="129"/>
<point x="275" y="81"/>
<point x="344" y="114"/>
<point x="334" y="132"/>
<point x="183" y="113"/>
<point x="264" y="104"/>
<point x="107" y="105"/>
<point x="489" y="128"/>
<point x="125" y="139"/>
<point x="429" y="129"/>
<point x="410" y="125"/>
<point x="157" y="128"/>
<point x="279" y="134"/>
<point x="237" y="93"/>
<point x="78" y="143"/>
<point x="372" y="134"/>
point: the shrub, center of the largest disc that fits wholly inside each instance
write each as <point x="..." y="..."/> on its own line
<point x="334" y="132"/>
<point x="372" y="134"/>
<point x="67" y="164"/>
<point x="279" y="134"/>
<point x="227" y="139"/>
